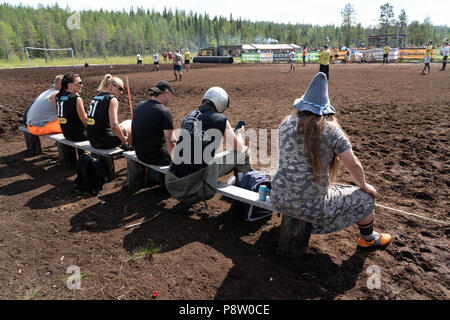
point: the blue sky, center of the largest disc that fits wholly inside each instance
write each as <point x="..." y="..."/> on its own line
<point x="305" y="11"/>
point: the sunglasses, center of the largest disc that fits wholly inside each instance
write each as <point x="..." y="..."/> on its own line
<point x="120" y="88"/>
<point x="79" y="83"/>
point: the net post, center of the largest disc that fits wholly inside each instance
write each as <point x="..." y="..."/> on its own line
<point x="28" y="57"/>
<point x="73" y="58"/>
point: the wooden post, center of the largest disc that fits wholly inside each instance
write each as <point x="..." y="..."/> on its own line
<point x="67" y="155"/>
<point x="33" y="144"/>
<point x="294" y="237"/>
<point x="108" y="164"/>
<point x="136" y="175"/>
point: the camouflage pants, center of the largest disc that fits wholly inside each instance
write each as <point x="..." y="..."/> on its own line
<point x="339" y="208"/>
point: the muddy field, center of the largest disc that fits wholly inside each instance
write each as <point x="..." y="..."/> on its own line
<point x="397" y="120"/>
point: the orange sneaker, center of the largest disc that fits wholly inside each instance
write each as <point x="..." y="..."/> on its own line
<point x="423" y="73"/>
<point x="379" y="240"/>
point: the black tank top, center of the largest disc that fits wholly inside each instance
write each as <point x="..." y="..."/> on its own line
<point x="99" y="129"/>
<point x="71" y="125"/>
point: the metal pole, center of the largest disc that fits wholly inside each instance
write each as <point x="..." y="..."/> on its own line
<point x="73" y="59"/>
<point x="28" y="57"/>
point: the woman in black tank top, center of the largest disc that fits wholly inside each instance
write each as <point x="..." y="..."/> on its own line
<point x="103" y="129"/>
<point x="71" y="114"/>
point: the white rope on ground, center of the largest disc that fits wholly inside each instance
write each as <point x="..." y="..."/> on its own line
<point x="400" y="211"/>
<point x="410" y="214"/>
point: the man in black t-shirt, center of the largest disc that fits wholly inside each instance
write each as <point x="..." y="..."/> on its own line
<point x="152" y="126"/>
<point x="195" y="169"/>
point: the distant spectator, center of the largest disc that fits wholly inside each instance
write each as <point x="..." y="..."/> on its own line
<point x="428" y="53"/>
<point x="156" y="61"/>
<point x="292" y="60"/>
<point x="86" y="64"/>
<point x="187" y="59"/>
<point x="386" y="50"/>
<point x="177" y="61"/>
<point x="444" y="53"/>
<point x="324" y="60"/>
<point x="304" y="53"/>
<point x="139" y="60"/>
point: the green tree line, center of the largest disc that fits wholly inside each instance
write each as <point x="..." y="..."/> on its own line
<point x="125" y="33"/>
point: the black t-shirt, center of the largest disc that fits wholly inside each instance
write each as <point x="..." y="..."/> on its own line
<point x="99" y="129"/>
<point x="150" y="119"/>
<point x="71" y="125"/>
<point x="198" y="124"/>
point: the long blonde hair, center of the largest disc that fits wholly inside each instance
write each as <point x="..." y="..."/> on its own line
<point x="310" y="128"/>
<point x="107" y="80"/>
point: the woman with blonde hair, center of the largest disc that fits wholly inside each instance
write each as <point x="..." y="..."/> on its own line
<point x="311" y="144"/>
<point x="103" y="129"/>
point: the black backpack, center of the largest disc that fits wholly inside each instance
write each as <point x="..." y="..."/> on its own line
<point x="251" y="181"/>
<point x="90" y="174"/>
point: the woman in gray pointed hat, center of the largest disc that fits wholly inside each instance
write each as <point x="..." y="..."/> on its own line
<point x="311" y="145"/>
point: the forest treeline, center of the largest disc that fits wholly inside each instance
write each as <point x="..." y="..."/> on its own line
<point x="124" y="33"/>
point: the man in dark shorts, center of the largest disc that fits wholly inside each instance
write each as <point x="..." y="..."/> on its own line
<point x="152" y="126"/>
<point x="187" y="59"/>
<point x="177" y="61"/>
<point x="324" y="60"/>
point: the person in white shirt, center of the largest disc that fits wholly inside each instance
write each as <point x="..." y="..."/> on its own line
<point x="292" y="60"/>
<point x="177" y="60"/>
<point x="139" y="60"/>
<point x="444" y="53"/>
<point x="156" y="61"/>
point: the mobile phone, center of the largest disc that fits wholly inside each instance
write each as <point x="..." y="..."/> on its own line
<point x="239" y="125"/>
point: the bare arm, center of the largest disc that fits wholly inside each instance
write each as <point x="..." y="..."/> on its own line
<point x="114" y="122"/>
<point x="170" y="141"/>
<point x="81" y="112"/>
<point x="235" y="140"/>
<point x="354" y="167"/>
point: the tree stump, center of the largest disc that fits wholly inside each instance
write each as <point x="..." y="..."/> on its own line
<point x="136" y="175"/>
<point x="67" y="155"/>
<point x="33" y="144"/>
<point x="294" y="237"/>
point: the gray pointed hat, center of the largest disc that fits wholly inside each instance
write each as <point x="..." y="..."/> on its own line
<point x="316" y="98"/>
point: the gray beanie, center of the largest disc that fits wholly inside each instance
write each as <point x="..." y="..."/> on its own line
<point x="316" y="98"/>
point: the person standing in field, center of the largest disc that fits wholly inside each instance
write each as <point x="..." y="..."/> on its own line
<point x="187" y="59"/>
<point x="312" y="144"/>
<point x="103" y="128"/>
<point x="304" y="53"/>
<point x="177" y="61"/>
<point x="292" y="60"/>
<point x="444" y="53"/>
<point x="156" y="61"/>
<point x="428" y="52"/>
<point x="324" y="61"/>
<point x="386" y="50"/>
<point x="139" y="60"/>
<point x="41" y="116"/>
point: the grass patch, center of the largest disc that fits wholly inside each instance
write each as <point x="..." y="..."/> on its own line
<point x="31" y="295"/>
<point x="143" y="252"/>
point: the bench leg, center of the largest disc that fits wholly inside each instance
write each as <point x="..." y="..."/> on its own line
<point x="33" y="144"/>
<point x="136" y="174"/>
<point x="108" y="164"/>
<point x="67" y="155"/>
<point x="294" y="237"/>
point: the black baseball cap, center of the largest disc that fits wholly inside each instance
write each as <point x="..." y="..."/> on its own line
<point x="161" y="86"/>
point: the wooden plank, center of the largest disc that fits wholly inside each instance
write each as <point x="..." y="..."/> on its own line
<point x="243" y="195"/>
<point x="132" y="156"/>
<point x="84" y="145"/>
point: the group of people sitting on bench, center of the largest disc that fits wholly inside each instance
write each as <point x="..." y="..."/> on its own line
<point x="311" y="145"/>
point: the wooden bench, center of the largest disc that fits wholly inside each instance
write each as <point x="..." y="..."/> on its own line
<point x="294" y="235"/>
<point x="67" y="150"/>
